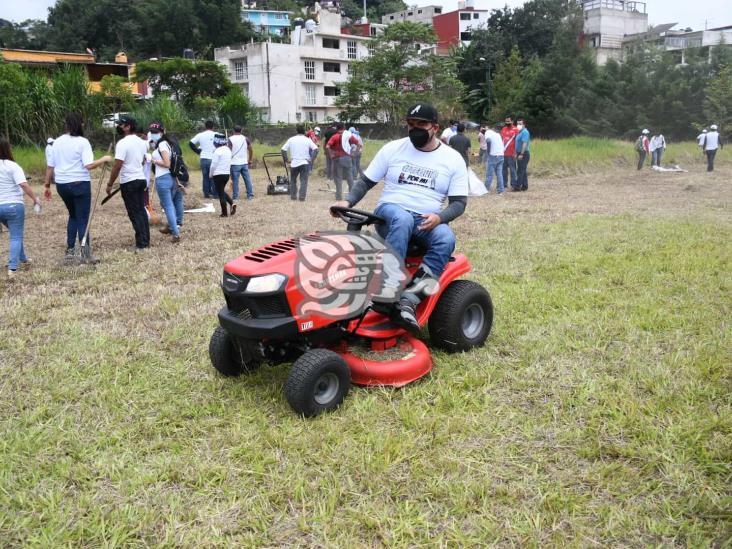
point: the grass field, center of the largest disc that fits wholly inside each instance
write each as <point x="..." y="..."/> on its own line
<point x="599" y="413"/>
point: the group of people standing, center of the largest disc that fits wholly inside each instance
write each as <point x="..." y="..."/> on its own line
<point x="654" y="146"/>
<point x="710" y="141"/>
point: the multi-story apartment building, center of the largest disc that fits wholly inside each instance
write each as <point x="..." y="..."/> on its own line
<point x="300" y="80"/>
<point x="416" y="14"/>
<point x="679" y="41"/>
<point x="607" y="22"/>
<point x="456" y="27"/>
<point x="276" y="23"/>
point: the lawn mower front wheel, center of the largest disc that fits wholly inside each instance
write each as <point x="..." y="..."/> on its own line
<point x="319" y="381"/>
<point x="228" y="357"/>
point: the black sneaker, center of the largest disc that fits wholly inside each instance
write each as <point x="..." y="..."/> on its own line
<point x="406" y="315"/>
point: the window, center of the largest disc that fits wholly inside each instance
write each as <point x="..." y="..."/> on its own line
<point x="240" y="69"/>
<point x="371" y="47"/>
<point x="309" y="70"/>
<point x="245" y="89"/>
<point x="372" y="31"/>
<point x="331" y="67"/>
<point x="464" y="17"/>
<point x="312" y="116"/>
<point x="419" y="11"/>
<point x="351" y="50"/>
<point x="466" y="36"/>
<point x="438" y="10"/>
<point x="309" y="94"/>
<point x="331" y="91"/>
<point x="332" y="43"/>
<point x="476" y="16"/>
<point x="410" y="15"/>
<point x="391" y="18"/>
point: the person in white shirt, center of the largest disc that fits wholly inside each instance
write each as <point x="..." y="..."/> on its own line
<point x="448" y="132"/>
<point x="12" y="210"/>
<point x="700" y="138"/>
<point x="69" y="163"/>
<point x="241" y="153"/>
<point x="419" y="174"/>
<point x="482" y="147"/>
<point x="494" y="161"/>
<point x="712" y="142"/>
<point x="202" y="144"/>
<point x="49" y="173"/>
<point x="171" y="197"/>
<point x="356" y="151"/>
<point x="301" y="150"/>
<point x="657" y="146"/>
<point x="129" y="159"/>
<point x="219" y="173"/>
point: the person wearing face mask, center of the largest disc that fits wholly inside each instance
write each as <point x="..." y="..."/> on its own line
<point x="523" y="144"/>
<point x="171" y="198"/>
<point x="419" y="173"/>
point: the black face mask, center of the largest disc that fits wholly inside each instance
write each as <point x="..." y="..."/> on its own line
<point x="419" y="137"/>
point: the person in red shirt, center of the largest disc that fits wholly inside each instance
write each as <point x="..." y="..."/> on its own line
<point x="508" y="134"/>
<point x="342" y="165"/>
<point x="314" y="136"/>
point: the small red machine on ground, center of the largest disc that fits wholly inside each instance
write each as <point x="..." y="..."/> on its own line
<point x="271" y="315"/>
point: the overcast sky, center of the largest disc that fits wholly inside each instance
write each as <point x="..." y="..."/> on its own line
<point x="688" y="13"/>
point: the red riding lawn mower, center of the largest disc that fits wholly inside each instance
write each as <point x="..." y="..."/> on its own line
<point x="281" y="309"/>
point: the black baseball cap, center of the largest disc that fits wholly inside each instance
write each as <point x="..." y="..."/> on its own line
<point x="422" y="111"/>
<point x="125" y="119"/>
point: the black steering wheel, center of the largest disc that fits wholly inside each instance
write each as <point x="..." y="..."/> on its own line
<point x="356" y="218"/>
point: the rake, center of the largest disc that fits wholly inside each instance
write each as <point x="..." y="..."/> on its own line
<point x="85" y="253"/>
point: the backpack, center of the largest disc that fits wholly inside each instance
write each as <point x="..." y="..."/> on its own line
<point x="178" y="168"/>
<point x="639" y="144"/>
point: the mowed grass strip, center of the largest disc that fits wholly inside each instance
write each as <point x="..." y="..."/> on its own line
<point x="598" y="413"/>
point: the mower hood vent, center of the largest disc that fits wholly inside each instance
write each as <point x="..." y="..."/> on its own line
<point x="264" y="253"/>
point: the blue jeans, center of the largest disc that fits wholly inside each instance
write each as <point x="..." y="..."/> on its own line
<point x="523" y="176"/>
<point x="356" y="165"/>
<point x="494" y="165"/>
<point x="13" y="217"/>
<point x="509" y="167"/>
<point x="656" y="157"/>
<point x="243" y="170"/>
<point x="401" y="227"/>
<point x="312" y="160"/>
<point x="209" y="190"/>
<point x="171" y="200"/>
<point x="77" y="197"/>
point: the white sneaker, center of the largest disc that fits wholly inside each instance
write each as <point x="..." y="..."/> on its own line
<point x="11" y="273"/>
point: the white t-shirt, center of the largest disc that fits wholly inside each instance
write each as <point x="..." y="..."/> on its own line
<point x="239" y="152"/>
<point x="157" y="155"/>
<point x="447" y="133"/>
<point x="11" y="176"/>
<point x="712" y="141"/>
<point x="221" y="161"/>
<point x="131" y="150"/>
<point x="49" y="152"/>
<point x="482" y="141"/>
<point x="69" y="155"/>
<point x="494" y="143"/>
<point x="299" y="147"/>
<point x="700" y="138"/>
<point x="204" y="141"/>
<point x="418" y="181"/>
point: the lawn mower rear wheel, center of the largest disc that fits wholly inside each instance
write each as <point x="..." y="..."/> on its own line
<point x="462" y="318"/>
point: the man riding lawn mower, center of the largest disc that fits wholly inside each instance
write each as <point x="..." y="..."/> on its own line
<point x="322" y="297"/>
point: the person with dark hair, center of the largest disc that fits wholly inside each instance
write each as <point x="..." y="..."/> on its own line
<point x="12" y="210"/>
<point x="171" y="197"/>
<point x="69" y="163"/>
<point x="129" y="159"/>
<point x="342" y="167"/>
<point x="202" y="145"/>
<point x="461" y="143"/>
<point x="314" y="136"/>
<point x="329" y="132"/>
<point x="523" y="155"/>
<point x="219" y="172"/>
<point x="508" y="134"/>
<point x="419" y="173"/>
<point x="241" y="153"/>
<point x="301" y="150"/>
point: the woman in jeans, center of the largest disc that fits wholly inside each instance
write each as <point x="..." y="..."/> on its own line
<point x="220" y="169"/>
<point x="69" y="164"/>
<point x="12" y="209"/>
<point x="171" y="198"/>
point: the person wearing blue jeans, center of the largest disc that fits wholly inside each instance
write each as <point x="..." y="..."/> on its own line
<point x="207" y="185"/>
<point x="243" y="171"/>
<point x="202" y="145"/>
<point x="12" y="209"/>
<point x="419" y="173"/>
<point x="171" y="199"/>
<point x="77" y="199"/>
<point x="523" y="155"/>
<point x="494" y="166"/>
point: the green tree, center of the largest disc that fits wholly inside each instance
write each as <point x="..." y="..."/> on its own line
<point x="184" y="79"/>
<point x="383" y="85"/>
<point x="116" y="93"/>
<point x="718" y="99"/>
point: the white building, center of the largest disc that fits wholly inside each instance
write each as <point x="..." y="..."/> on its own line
<point x="416" y="14"/>
<point x="607" y="22"/>
<point x="299" y="81"/>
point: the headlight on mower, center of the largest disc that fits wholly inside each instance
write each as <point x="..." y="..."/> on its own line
<point x="266" y="284"/>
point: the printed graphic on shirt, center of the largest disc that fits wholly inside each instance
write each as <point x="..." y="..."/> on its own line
<point x="417" y="175"/>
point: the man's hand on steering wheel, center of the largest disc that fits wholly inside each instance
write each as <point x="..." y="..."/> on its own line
<point x="339" y="204"/>
<point x="430" y="222"/>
